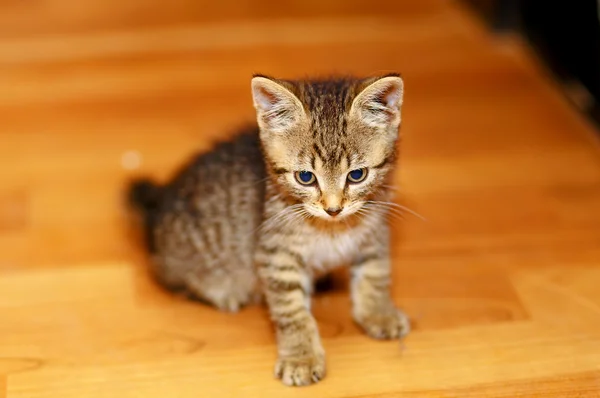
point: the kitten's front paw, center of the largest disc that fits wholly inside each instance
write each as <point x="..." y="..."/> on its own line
<point x="390" y="323"/>
<point x="296" y="371"/>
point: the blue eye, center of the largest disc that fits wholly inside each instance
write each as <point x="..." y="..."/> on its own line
<point x="357" y="175"/>
<point x="305" y="177"/>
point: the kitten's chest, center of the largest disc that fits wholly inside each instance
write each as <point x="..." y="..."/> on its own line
<point x="323" y="251"/>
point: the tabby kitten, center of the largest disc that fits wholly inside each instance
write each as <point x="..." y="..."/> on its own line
<point x="263" y="215"/>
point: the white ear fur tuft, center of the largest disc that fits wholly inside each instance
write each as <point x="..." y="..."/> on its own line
<point x="277" y="108"/>
<point x="379" y="103"/>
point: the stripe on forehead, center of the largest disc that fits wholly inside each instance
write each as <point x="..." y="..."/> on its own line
<point x="331" y="155"/>
<point x="327" y="101"/>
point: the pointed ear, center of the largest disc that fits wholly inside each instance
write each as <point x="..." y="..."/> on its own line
<point x="277" y="108"/>
<point x="379" y="103"/>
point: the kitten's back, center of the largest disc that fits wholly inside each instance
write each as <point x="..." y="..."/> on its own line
<point x="205" y="217"/>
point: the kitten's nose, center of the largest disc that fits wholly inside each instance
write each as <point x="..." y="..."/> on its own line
<point x="334" y="211"/>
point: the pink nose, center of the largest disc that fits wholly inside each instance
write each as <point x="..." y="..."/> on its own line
<point x="334" y="211"/>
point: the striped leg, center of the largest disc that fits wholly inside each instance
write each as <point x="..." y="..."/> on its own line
<point x="372" y="306"/>
<point x="301" y="358"/>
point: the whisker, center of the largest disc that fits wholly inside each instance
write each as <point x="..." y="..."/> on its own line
<point x="398" y="206"/>
<point x="391" y="187"/>
<point x="371" y="223"/>
<point x="269" y="223"/>
<point x="250" y="184"/>
<point x="289" y="214"/>
<point x="387" y="212"/>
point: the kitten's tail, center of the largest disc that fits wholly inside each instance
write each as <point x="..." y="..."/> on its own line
<point x="144" y="196"/>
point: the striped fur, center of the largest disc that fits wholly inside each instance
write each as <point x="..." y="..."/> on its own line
<point x="236" y="225"/>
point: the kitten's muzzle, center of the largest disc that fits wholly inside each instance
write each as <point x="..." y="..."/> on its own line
<point x="333" y="211"/>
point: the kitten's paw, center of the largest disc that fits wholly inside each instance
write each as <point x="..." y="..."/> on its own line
<point x="231" y="304"/>
<point x="300" y="371"/>
<point x="384" y="325"/>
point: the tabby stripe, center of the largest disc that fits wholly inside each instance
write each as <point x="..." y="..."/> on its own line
<point x="318" y="152"/>
<point x="302" y="153"/>
<point x="279" y="249"/>
<point x="367" y="258"/>
<point x="384" y="162"/>
<point x="288" y="315"/>
<point x="278" y="267"/>
<point x="279" y="285"/>
<point x="280" y="170"/>
<point x="379" y="281"/>
<point x="290" y="325"/>
<point x="284" y="301"/>
<point x="341" y="151"/>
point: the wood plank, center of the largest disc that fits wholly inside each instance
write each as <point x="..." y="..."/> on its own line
<point x="501" y="278"/>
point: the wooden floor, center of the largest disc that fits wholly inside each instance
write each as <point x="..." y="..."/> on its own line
<point x="503" y="278"/>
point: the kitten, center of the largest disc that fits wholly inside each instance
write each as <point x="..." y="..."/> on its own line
<point x="263" y="215"/>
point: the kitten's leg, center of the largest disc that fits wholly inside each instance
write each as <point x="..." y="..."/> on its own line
<point x="228" y="292"/>
<point x="372" y="305"/>
<point x="301" y="358"/>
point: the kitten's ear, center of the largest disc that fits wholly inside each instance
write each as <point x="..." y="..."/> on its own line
<point x="379" y="103"/>
<point x="277" y="108"/>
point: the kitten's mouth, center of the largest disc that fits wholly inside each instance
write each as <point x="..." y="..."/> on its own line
<point x="335" y="218"/>
<point x="333" y="215"/>
<point x="348" y="217"/>
<point x="337" y="215"/>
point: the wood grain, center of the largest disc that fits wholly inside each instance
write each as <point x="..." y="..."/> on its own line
<point x="502" y="278"/>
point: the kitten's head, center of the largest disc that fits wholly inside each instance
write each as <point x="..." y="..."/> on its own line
<point x="329" y="144"/>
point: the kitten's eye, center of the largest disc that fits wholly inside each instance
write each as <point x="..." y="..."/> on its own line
<point x="357" y="175"/>
<point x="305" y="177"/>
